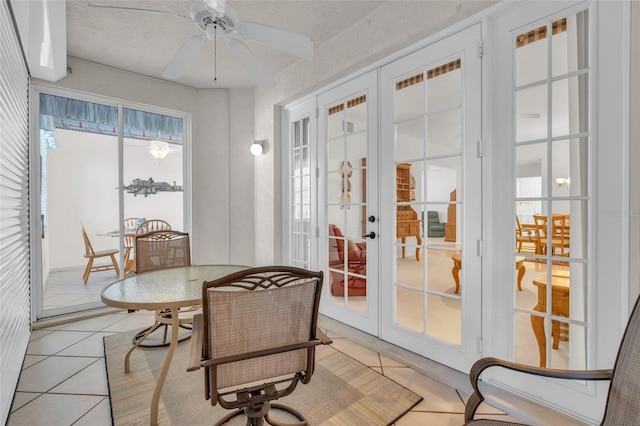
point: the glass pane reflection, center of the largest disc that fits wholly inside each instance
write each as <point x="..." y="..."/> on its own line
<point x="569" y="98"/>
<point x="410" y="309"/>
<point x="443" y="91"/>
<point x="444" y="130"/>
<point x="410" y="102"/>
<point x="531" y="113"/>
<point x="410" y="137"/>
<point x="444" y="318"/>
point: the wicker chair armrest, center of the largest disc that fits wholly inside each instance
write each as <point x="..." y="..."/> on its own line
<point x="482" y="364"/>
<point x="195" y="354"/>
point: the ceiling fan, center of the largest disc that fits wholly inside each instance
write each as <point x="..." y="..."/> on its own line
<point x="218" y="20"/>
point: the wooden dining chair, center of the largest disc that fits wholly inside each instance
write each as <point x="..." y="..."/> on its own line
<point x="541" y="233"/>
<point x="142" y="228"/>
<point x="558" y="238"/>
<point x="560" y="229"/>
<point x="526" y="239"/>
<point x="92" y="255"/>
<point x="153" y="225"/>
<point x="130" y="225"/>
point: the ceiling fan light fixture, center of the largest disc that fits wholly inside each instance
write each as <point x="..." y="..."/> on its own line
<point x="159" y="149"/>
<point x="217" y="7"/>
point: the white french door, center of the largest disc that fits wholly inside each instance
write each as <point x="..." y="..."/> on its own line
<point x="431" y="240"/>
<point x="348" y="218"/>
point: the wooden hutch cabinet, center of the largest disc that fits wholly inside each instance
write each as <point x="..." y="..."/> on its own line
<point x="407" y="222"/>
<point x="450" y="226"/>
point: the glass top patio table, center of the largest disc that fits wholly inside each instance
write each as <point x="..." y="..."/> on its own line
<point x="165" y="288"/>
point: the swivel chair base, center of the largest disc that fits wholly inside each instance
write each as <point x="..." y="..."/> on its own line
<point x="259" y="415"/>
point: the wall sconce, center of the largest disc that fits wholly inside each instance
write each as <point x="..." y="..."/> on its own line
<point x="563" y="182"/>
<point x="159" y="149"/>
<point x="256" y="147"/>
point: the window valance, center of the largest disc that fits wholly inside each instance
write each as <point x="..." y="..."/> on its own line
<point x="73" y="114"/>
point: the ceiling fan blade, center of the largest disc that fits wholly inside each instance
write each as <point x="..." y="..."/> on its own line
<point x="135" y="9"/>
<point x="175" y="68"/>
<point x="276" y="38"/>
<point x="259" y="73"/>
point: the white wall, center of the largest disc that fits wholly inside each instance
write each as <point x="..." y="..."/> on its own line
<point x="241" y="177"/>
<point x="389" y="28"/>
<point x="211" y="165"/>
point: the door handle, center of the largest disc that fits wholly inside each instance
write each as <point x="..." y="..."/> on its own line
<point x="371" y="235"/>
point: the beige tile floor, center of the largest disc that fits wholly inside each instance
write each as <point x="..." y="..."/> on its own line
<point x="63" y="381"/>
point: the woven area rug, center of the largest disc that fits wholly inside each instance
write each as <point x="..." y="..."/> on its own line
<point x="342" y="391"/>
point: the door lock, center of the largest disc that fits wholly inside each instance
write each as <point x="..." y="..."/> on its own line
<point x="372" y="218"/>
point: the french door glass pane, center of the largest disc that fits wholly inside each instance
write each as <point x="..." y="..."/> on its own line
<point x="79" y="179"/>
<point x="346" y="182"/>
<point x="552" y="194"/>
<point x="300" y="243"/>
<point x="531" y="113"/>
<point x="152" y="172"/>
<point x="428" y="128"/>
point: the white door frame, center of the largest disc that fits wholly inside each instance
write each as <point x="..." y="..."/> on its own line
<point x="290" y="115"/>
<point x="463" y="45"/>
<point x="364" y="84"/>
<point x="608" y="233"/>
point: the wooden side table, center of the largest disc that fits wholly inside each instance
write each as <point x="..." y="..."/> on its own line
<point x="457" y="266"/>
<point x="559" y="307"/>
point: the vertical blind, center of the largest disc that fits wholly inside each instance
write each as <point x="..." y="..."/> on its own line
<point x="14" y="209"/>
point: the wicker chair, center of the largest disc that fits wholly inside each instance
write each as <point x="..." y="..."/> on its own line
<point x="257" y="336"/>
<point x="623" y="401"/>
<point x="160" y="250"/>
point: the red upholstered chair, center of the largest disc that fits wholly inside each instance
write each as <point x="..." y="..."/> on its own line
<point x="355" y="261"/>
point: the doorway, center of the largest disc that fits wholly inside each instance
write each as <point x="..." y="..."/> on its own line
<point x="100" y="163"/>
<point x="397" y="212"/>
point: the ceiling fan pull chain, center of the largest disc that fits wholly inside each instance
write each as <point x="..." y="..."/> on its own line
<point x="215" y="55"/>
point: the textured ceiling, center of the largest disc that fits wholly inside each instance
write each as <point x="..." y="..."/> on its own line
<point x="144" y="43"/>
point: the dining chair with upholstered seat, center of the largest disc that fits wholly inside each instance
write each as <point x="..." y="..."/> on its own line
<point x="160" y="250"/>
<point x="256" y="339"/>
<point x="623" y="400"/>
<point x="91" y="255"/>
